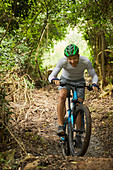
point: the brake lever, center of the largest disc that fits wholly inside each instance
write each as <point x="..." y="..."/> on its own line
<point x="89" y="87"/>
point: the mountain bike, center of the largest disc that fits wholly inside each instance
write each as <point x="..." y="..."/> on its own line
<point x="69" y="142"/>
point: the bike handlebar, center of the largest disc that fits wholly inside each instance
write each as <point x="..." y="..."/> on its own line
<point x="89" y="87"/>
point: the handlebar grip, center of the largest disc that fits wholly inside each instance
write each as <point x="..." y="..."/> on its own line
<point x="54" y="79"/>
<point x="62" y="84"/>
<point x="90" y="88"/>
<point x="95" y="85"/>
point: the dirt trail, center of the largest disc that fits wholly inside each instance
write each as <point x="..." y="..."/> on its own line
<point x="40" y="138"/>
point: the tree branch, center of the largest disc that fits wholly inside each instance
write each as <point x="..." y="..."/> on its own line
<point x="8" y="25"/>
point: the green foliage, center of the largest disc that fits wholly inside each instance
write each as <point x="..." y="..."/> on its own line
<point x="27" y="29"/>
<point x="30" y="28"/>
<point x="6" y="56"/>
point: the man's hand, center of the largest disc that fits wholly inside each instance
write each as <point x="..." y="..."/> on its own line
<point x="56" y="82"/>
<point x="95" y="87"/>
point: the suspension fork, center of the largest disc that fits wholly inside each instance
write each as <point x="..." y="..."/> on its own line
<point x="72" y="105"/>
<point x="69" y="110"/>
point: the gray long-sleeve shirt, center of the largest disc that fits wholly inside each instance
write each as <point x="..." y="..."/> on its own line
<point x="74" y="73"/>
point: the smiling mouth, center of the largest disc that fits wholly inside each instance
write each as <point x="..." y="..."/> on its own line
<point x="73" y="65"/>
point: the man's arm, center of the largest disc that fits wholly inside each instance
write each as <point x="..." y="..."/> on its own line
<point x="55" y="71"/>
<point x="94" y="76"/>
<point x="92" y="73"/>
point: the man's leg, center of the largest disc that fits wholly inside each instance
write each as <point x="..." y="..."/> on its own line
<point x="61" y="109"/>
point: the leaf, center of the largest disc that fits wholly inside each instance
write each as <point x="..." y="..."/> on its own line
<point x="74" y="162"/>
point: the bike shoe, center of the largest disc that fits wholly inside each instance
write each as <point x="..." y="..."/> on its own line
<point x="60" y="131"/>
<point x="78" y="141"/>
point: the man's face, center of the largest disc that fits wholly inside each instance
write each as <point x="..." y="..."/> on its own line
<point x="73" y="60"/>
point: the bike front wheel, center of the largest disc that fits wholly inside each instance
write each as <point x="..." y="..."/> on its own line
<point x="65" y="140"/>
<point x="79" y="137"/>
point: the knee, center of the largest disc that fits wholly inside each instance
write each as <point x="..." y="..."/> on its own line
<point x="63" y="95"/>
<point x="80" y="100"/>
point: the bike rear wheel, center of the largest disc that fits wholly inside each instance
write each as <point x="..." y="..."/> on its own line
<point x="65" y="141"/>
<point x="79" y="147"/>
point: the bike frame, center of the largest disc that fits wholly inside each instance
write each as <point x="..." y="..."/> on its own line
<point x="70" y="107"/>
<point x="74" y="107"/>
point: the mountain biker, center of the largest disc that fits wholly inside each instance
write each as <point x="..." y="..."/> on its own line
<point x="73" y="65"/>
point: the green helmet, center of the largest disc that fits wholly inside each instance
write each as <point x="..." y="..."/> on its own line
<point x="71" y="50"/>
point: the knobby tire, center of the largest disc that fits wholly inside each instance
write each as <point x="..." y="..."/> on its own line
<point x="65" y="144"/>
<point x="87" y="134"/>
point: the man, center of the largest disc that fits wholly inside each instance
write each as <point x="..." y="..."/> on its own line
<point x="73" y="66"/>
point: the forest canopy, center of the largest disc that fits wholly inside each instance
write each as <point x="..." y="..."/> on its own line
<point x="29" y="28"/>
